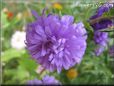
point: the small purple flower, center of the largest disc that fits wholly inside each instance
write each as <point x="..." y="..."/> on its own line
<point x="101" y="39"/>
<point x="105" y="22"/>
<point x="34" y="82"/>
<point x="50" y="80"/>
<point x="104" y="8"/>
<point x="56" y="43"/>
<point x="47" y="80"/>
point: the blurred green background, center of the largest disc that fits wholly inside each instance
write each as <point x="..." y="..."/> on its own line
<point x="17" y="65"/>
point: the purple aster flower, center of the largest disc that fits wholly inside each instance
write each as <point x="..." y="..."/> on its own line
<point x="34" y="82"/>
<point x="50" y="80"/>
<point x="56" y="43"/>
<point x="105" y="22"/>
<point x="111" y="51"/>
<point x="47" y="80"/>
<point x="104" y="8"/>
<point x="101" y="39"/>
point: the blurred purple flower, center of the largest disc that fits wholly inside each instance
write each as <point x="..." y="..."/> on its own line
<point x="99" y="50"/>
<point x="34" y="82"/>
<point x="50" y="80"/>
<point x="56" y="43"/>
<point x="105" y="22"/>
<point x="111" y="51"/>
<point x="104" y="8"/>
<point x="47" y="80"/>
<point x="101" y="39"/>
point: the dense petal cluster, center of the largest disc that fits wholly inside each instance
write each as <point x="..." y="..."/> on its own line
<point x="105" y="22"/>
<point x="100" y="38"/>
<point x="56" y="43"/>
<point x="47" y="80"/>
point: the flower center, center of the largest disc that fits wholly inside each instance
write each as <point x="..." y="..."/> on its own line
<point x="59" y="46"/>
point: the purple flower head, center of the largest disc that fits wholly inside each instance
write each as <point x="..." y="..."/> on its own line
<point x="104" y="8"/>
<point x="56" y="42"/>
<point x="101" y="39"/>
<point x="102" y="24"/>
<point x="105" y="22"/>
<point x="47" y="80"/>
<point x="34" y="82"/>
<point x="50" y="80"/>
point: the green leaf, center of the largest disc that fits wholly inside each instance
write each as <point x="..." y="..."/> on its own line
<point x="28" y="64"/>
<point x="109" y="13"/>
<point x="21" y="73"/>
<point x="11" y="53"/>
<point x="4" y="21"/>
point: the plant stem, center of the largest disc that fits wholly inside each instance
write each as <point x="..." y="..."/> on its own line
<point x="99" y="19"/>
